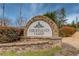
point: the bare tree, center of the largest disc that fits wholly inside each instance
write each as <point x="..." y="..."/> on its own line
<point x="21" y="20"/>
<point x="1" y="19"/>
<point x="4" y="21"/>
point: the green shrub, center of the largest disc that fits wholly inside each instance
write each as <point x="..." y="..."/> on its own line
<point x="8" y="34"/>
<point x="67" y="31"/>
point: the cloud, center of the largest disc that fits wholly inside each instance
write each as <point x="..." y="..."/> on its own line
<point x="34" y="8"/>
<point x="72" y="17"/>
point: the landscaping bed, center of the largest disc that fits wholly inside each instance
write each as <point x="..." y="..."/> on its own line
<point x="45" y="52"/>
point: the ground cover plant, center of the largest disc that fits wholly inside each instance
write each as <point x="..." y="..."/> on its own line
<point x="49" y="52"/>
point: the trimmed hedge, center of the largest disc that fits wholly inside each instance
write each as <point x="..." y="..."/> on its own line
<point x="67" y="31"/>
<point x="8" y="34"/>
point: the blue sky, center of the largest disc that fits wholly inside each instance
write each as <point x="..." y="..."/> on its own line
<point x="32" y="9"/>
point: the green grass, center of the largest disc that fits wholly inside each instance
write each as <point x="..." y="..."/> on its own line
<point x="49" y="52"/>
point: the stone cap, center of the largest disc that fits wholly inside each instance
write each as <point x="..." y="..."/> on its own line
<point x="53" y="38"/>
<point x="23" y="43"/>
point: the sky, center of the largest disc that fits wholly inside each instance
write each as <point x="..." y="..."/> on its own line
<point x="33" y="9"/>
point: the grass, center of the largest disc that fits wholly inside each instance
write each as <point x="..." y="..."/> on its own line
<point x="49" y="52"/>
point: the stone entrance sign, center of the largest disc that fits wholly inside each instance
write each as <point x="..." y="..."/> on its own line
<point x="39" y="29"/>
<point x="41" y="26"/>
<point x="39" y="33"/>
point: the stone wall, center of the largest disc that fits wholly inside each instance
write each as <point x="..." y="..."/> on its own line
<point x="29" y="45"/>
<point x="22" y="47"/>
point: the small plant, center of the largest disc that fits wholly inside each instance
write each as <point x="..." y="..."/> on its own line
<point x="9" y="34"/>
<point x="67" y="31"/>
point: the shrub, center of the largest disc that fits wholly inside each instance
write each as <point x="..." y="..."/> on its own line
<point x="8" y="34"/>
<point x="67" y="31"/>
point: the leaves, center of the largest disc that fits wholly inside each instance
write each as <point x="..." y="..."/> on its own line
<point x="66" y="31"/>
<point x="9" y="34"/>
<point x="57" y="16"/>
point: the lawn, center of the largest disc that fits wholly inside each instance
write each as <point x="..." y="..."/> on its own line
<point x="49" y="52"/>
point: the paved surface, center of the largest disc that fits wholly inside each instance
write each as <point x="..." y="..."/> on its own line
<point x="73" y="41"/>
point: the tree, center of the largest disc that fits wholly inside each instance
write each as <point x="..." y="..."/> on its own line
<point x="63" y="13"/>
<point x="52" y="15"/>
<point x="57" y="16"/>
<point x="73" y="24"/>
<point x="20" y="22"/>
<point x="61" y="17"/>
<point x="76" y="23"/>
<point x="5" y="21"/>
